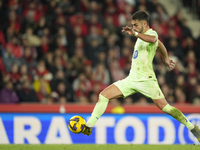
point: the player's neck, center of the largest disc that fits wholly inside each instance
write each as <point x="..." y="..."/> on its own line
<point x="145" y="29"/>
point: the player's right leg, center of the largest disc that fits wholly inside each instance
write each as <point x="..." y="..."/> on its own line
<point x="196" y="132"/>
<point x="178" y="115"/>
<point x="152" y="90"/>
<point x="107" y="94"/>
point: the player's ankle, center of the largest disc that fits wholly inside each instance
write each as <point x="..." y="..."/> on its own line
<point x="89" y="125"/>
<point x="191" y="127"/>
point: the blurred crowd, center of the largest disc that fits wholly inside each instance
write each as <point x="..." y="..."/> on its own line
<point x="193" y="6"/>
<point x="67" y="51"/>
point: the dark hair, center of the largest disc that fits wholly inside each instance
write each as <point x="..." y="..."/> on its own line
<point x="140" y="15"/>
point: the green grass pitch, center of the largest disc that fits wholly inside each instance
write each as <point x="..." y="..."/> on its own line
<point x="99" y="147"/>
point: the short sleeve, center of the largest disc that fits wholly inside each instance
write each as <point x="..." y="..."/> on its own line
<point x="153" y="33"/>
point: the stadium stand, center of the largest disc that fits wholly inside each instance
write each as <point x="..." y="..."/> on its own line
<point x="62" y="51"/>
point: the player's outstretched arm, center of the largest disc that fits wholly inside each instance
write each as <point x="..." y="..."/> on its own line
<point x="144" y="37"/>
<point x="163" y="51"/>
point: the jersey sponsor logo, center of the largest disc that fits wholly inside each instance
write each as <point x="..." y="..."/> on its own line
<point x="135" y="55"/>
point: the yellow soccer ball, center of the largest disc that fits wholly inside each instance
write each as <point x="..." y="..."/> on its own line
<point x="76" y="124"/>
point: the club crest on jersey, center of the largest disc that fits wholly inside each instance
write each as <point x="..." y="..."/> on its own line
<point x="135" y="55"/>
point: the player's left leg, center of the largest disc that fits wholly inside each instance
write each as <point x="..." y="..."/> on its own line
<point x="178" y="115"/>
<point x="107" y="94"/>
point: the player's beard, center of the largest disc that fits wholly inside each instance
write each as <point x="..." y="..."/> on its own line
<point x="141" y="29"/>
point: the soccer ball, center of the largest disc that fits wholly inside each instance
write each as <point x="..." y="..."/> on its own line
<point x="76" y="124"/>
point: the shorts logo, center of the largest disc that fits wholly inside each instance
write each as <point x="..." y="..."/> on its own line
<point x="135" y="55"/>
<point x="159" y="92"/>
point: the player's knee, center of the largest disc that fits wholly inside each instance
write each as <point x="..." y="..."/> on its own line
<point x="104" y="93"/>
<point x="103" y="98"/>
<point x="160" y="103"/>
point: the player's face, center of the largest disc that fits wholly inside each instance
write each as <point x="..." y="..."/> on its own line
<point x="138" y="25"/>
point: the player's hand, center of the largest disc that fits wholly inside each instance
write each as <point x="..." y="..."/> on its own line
<point x="170" y="64"/>
<point x="128" y="30"/>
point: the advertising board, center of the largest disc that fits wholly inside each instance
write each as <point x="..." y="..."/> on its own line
<point x="51" y="128"/>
